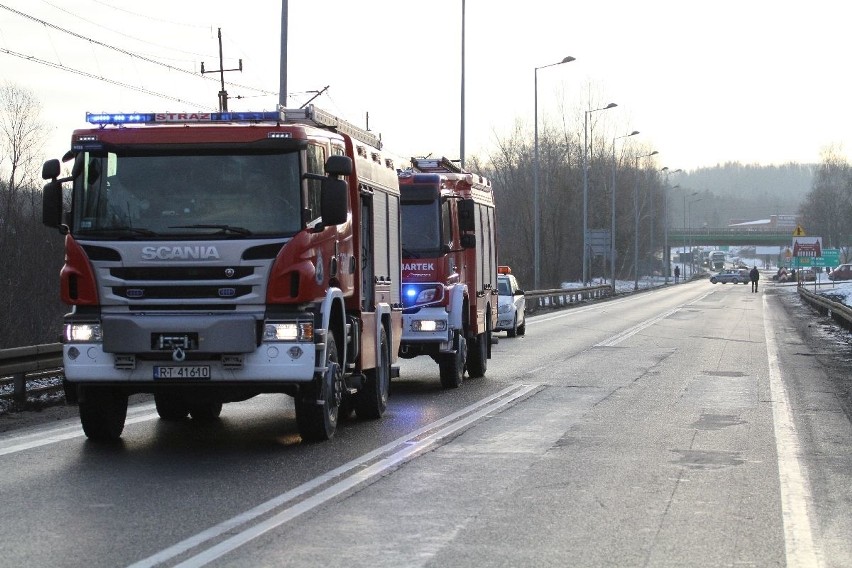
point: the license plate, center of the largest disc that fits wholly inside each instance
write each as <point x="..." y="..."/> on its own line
<point x="183" y="372"/>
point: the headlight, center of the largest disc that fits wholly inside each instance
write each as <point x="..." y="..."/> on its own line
<point x="429" y="325"/>
<point x="288" y="331"/>
<point x="83" y="333"/>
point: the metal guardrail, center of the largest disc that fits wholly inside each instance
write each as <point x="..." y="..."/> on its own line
<point x="564" y="297"/>
<point x="841" y="313"/>
<point x="20" y="363"/>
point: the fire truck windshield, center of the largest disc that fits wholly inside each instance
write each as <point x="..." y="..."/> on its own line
<point x="421" y="228"/>
<point x="223" y="194"/>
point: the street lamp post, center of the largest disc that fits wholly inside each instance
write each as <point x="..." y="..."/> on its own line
<point x="612" y="221"/>
<point x="536" y="220"/>
<point x="666" y="254"/>
<point x="684" y="219"/>
<point x="689" y="231"/>
<point x="667" y="257"/>
<point x="636" y="220"/>
<point x="461" y="120"/>
<point x="586" y="257"/>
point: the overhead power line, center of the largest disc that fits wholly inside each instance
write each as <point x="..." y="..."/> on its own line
<point x="100" y="78"/>
<point x="124" y="51"/>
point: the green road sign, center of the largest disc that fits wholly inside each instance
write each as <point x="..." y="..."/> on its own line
<point x="830" y="257"/>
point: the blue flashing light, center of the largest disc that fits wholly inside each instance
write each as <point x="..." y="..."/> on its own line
<point x="182" y="117"/>
<point x="118" y="118"/>
<point x="411" y="292"/>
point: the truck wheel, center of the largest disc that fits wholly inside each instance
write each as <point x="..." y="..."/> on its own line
<point x="171" y="407"/>
<point x="477" y="361"/>
<point x="102" y="413"/>
<point x="205" y="411"/>
<point x="452" y="365"/>
<point x="372" y="400"/>
<point x="513" y="331"/>
<point x="318" y="422"/>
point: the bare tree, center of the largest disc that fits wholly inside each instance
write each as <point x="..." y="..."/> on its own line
<point x="22" y="135"/>
<point x="31" y="253"/>
<point x="827" y="208"/>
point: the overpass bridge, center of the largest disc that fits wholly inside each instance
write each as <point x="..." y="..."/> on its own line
<point x="728" y="236"/>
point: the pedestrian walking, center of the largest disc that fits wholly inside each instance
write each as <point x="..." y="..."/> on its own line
<point x="754" y="275"/>
<point x="677" y="273"/>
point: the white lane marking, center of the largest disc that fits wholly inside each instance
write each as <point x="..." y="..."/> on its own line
<point x="573" y="311"/>
<point x="619" y="337"/>
<point x="795" y="493"/>
<point x="357" y="471"/>
<point x="630" y="332"/>
<point x="140" y="413"/>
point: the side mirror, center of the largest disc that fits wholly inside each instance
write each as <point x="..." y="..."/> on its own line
<point x="334" y="195"/>
<point x="519" y="293"/>
<point x="338" y="166"/>
<point x="51" y="204"/>
<point x="467" y="219"/>
<point x="468" y="241"/>
<point x="50" y="169"/>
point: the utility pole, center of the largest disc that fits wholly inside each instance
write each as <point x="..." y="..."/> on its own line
<point x="282" y="90"/>
<point x="223" y="94"/>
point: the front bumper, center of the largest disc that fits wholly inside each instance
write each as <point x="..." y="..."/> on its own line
<point x="410" y="333"/>
<point x="272" y="363"/>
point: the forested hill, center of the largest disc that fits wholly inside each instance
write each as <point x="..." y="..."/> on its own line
<point x="738" y="191"/>
<point x="789" y="182"/>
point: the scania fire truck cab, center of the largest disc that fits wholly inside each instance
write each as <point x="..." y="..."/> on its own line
<point x="449" y="267"/>
<point x="211" y="257"/>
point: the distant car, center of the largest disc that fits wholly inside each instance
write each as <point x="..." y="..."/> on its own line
<point x="511" y="304"/>
<point x="842" y="272"/>
<point x="734" y="276"/>
<point x="806" y="275"/>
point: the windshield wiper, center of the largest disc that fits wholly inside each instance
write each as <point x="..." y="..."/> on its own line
<point x="223" y="228"/>
<point x="118" y="230"/>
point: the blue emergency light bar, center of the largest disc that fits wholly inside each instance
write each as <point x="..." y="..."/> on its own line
<point x="181" y="117"/>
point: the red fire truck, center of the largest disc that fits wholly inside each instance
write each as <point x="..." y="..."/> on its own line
<point x="449" y="270"/>
<point x="211" y="257"/>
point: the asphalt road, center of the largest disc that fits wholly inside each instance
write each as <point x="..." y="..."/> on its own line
<point x="694" y="425"/>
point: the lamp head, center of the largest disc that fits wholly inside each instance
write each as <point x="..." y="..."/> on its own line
<point x="610" y="105"/>
<point x="568" y="59"/>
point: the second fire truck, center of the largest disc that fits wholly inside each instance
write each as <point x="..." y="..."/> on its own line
<point x="449" y="269"/>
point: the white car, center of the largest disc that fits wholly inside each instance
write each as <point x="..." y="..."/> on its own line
<point x="510" y="307"/>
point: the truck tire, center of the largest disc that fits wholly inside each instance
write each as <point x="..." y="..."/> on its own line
<point x="102" y="413"/>
<point x="452" y="365"/>
<point x="477" y="360"/>
<point x="170" y="407"/>
<point x="318" y="422"/>
<point x="205" y="411"/>
<point x="372" y="400"/>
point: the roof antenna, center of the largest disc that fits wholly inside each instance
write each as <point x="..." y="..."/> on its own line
<point x="223" y="94"/>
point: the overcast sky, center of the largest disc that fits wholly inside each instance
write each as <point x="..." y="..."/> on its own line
<point x="754" y="81"/>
